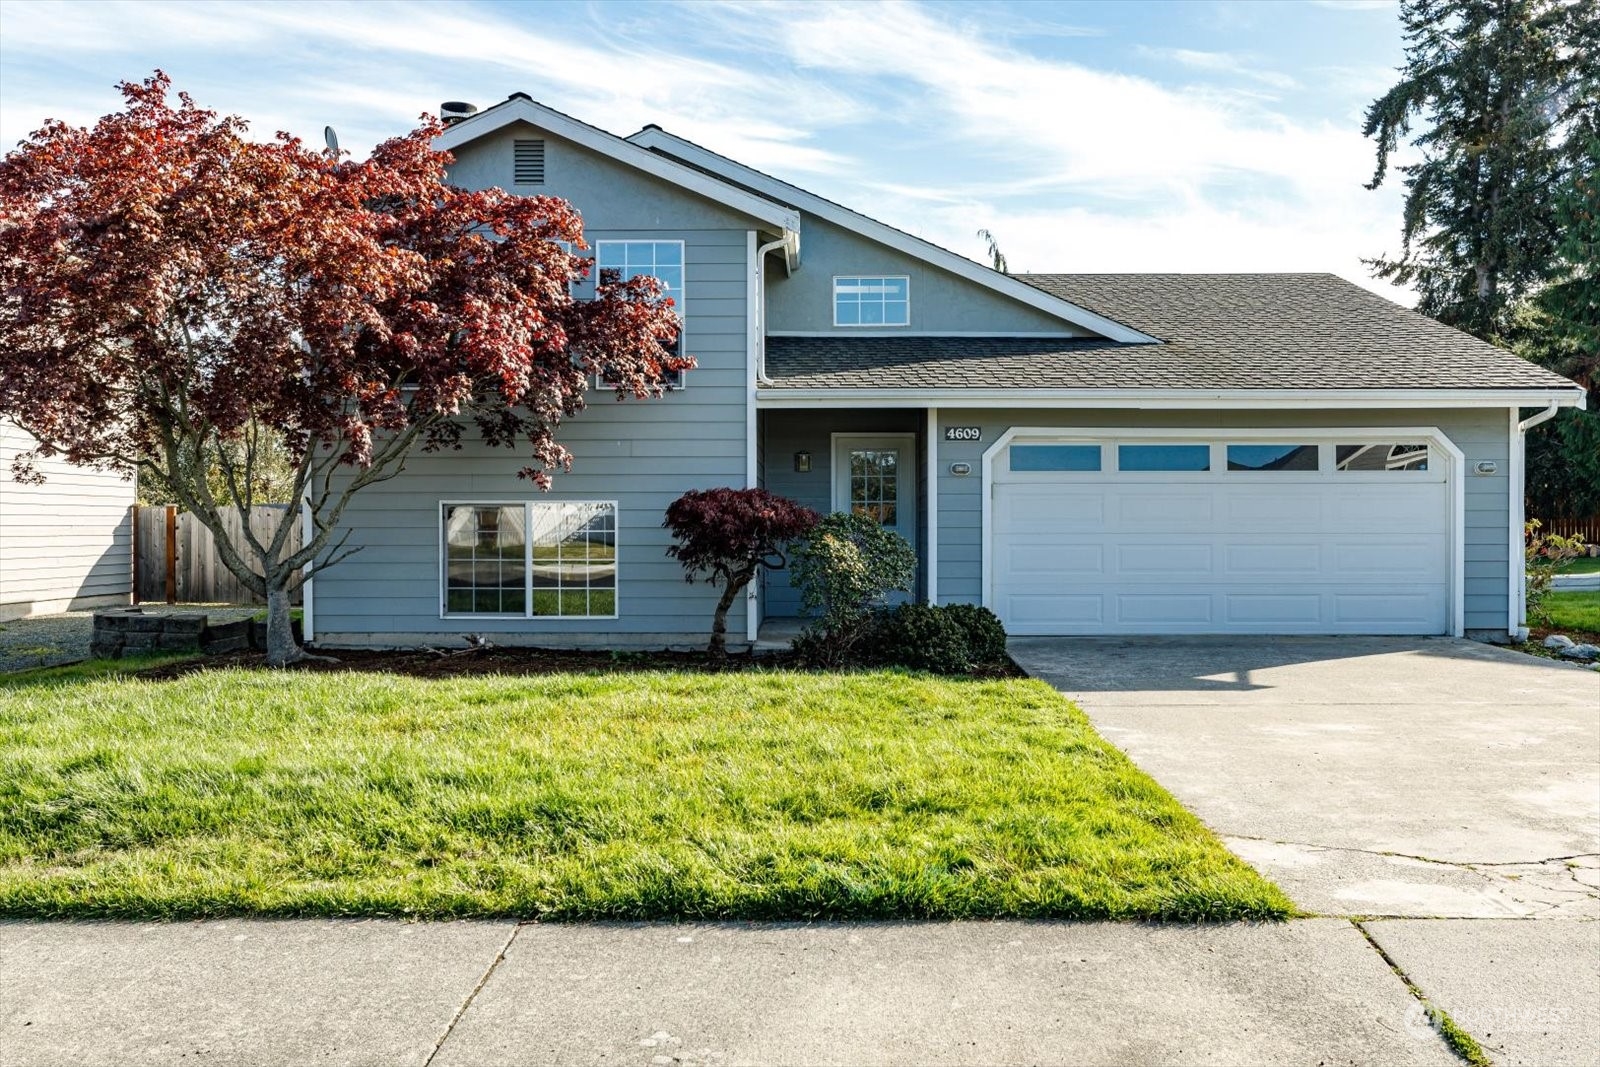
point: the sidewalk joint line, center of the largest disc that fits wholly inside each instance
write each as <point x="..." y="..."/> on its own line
<point x="1455" y="1039"/>
<point x="471" y="996"/>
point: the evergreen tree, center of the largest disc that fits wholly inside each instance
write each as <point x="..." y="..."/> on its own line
<point x="1561" y="329"/>
<point x="1490" y="80"/>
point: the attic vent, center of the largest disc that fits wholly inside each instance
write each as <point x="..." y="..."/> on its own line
<point x="529" y="164"/>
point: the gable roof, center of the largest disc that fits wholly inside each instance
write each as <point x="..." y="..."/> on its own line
<point x="519" y="107"/>
<point x="757" y="182"/>
<point x="1303" y="333"/>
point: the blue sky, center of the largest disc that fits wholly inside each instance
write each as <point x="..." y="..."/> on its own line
<point x="1087" y="136"/>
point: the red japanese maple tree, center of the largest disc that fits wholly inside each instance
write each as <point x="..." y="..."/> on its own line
<point x="171" y="292"/>
<point x="727" y="535"/>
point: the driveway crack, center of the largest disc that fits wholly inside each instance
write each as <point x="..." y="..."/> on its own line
<point x="471" y="996"/>
<point x="1464" y="864"/>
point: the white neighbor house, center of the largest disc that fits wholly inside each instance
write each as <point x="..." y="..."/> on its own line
<point x="67" y="544"/>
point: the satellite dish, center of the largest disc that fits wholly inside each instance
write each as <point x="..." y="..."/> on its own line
<point x="331" y="139"/>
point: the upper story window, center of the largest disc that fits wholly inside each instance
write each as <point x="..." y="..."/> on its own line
<point x="662" y="260"/>
<point x="874" y="301"/>
<point x="527" y="161"/>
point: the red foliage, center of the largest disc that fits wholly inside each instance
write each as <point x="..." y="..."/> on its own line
<point x="170" y="290"/>
<point x="727" y="535"/>
<point x="161" y="272"/>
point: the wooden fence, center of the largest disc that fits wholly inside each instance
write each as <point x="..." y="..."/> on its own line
<point x="1585" y="530"/>
<point x="175" y="557"/>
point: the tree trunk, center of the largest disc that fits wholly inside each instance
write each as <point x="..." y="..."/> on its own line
<point x="282" y="649"/>
<point x="718" y="648"/>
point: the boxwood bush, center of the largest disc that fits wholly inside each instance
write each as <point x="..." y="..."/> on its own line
<point x="953" y="639"/>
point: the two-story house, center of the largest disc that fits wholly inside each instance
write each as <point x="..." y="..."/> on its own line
<point x="1085" y="454"/>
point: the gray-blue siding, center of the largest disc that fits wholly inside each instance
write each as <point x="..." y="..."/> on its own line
<point x="783" y="433"/>
<point x="1482" y="434"/>
<point x="941" y="302"/>
<point x="641" y="453"/>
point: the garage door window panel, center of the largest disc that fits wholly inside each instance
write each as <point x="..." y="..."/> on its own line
<point x="1048" y="458"/>
<point x="1164" y="458"/>
<point x="1273" y="458"/>
<point x="1381" y="457"/>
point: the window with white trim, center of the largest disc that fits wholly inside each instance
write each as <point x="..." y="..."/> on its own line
<point x="662" y="260"/>
<point x="545" y="559"/>
<point x="883" y="300"/>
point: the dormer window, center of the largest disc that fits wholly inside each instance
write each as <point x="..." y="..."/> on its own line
<point x="872" y="301"/>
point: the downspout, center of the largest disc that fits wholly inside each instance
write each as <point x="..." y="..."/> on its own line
<point x="761" y="273"/>
<point x="1519" y="493"/>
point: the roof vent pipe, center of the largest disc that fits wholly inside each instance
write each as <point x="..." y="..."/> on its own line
<point x="453" y="111"/>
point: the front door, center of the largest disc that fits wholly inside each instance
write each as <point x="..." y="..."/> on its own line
<point x="875" y="474"/>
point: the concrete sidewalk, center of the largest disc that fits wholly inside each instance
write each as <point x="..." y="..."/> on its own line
<point x="482" y="993"/>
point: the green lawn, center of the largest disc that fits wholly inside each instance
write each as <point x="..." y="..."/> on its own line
<point x="1574" y="610"/>
<point x="645" y="795"/>
<point x="1582" y="565"/>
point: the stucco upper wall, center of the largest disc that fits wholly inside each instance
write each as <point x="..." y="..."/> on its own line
<point x="941" y="302"/>
<point x="607" y="193"/>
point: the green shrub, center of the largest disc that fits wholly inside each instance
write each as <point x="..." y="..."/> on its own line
<point x="986" y="635"/>
<point x="955" y="639"/>
<point x="844" y="569"/>
<point x="1546" y="554"/>
<point x="848" y="564"/>
<point x="919" y="637"/>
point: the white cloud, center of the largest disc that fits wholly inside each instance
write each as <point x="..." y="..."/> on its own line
<point x="1221" y="63"/>
<point x="925" y="117"/>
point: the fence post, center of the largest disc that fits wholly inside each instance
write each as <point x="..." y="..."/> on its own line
<point x="172" y="553"/>
<point x="135" y="526"/>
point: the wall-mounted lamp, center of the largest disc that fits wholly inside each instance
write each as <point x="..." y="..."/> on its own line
<point x="802" y="462"/>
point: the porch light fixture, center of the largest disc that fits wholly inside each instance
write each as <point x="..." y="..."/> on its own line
<point x="802" y="462"/>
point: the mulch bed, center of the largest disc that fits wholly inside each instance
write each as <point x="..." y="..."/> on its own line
<point x="456" y="663"/>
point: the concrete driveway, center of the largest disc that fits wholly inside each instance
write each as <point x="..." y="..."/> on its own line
<point x="1444" y="794"/>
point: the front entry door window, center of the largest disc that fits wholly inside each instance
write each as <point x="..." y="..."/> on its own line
<point x="875" y="483"/>
<point x="876" y="476"/>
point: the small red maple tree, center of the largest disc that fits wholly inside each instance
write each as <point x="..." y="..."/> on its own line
<point x="727" y="536"/>
<point x="171" y="292"/>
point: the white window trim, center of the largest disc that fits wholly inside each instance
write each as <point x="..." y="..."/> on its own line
<point x="680" y="301"/>
<point x="527" y="562"/>
<point x="834" y="296"/>
<point x="1451" y="468"/>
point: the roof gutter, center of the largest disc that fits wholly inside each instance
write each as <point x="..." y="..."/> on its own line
<point x="1169" y="399"/>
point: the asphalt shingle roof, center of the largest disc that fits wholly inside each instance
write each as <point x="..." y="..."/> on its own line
<point x="1219" y="331"/>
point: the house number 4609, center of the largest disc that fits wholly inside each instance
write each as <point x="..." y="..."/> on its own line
<point x="963" y="433"/>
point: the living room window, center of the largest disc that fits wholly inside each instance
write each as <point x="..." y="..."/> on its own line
<point x="883" y="300"/>
<point x="545" y="559"/>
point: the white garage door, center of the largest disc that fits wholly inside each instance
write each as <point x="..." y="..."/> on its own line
<point x="1283" y="536"/>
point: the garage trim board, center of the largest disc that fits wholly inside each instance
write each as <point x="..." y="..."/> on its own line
<point x="1432" y="603"/>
